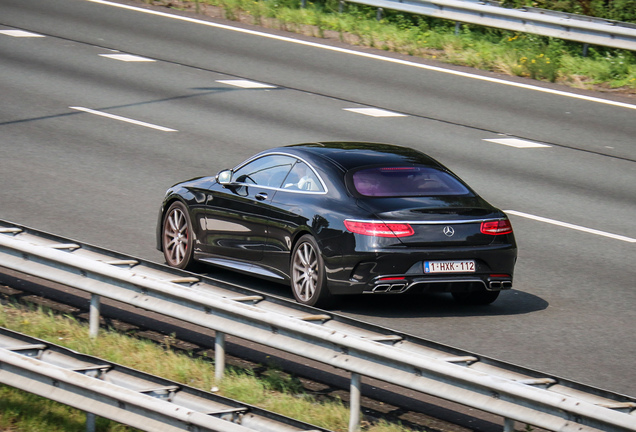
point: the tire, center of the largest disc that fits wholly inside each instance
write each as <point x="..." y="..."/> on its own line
<point x="177" y="236"/>
<point x="481" y="297"/>
<point x="307" y="273"/>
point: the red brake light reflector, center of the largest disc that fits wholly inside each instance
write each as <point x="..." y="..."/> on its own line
<point x="497" y="227"/>
<point x="379" y="229"/>
<point x="415" y="169"/>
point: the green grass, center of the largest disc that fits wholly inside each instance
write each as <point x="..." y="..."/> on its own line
<point x="273" y="390"/>
<point x="511" y="53"/>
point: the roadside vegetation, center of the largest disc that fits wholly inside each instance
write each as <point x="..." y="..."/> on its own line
<point x="272" y="389"/>
<point x="501" y="51"/>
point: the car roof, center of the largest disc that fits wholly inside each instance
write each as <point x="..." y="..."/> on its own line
<point x="350" y="155"/>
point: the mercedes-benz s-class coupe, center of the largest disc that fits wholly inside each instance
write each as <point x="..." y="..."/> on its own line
<point x="342" y="218"/>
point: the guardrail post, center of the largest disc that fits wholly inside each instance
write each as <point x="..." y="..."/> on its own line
<point x="509" y="425"/>
<point x="219" y="357"/>
<point x="341" y="4"/>
<point x="379" y="14"/>
<point x="90" y="422"/>
<point x="586" y="47"/>
<point x="354" y="403"/>
<point x="93" y="319"/>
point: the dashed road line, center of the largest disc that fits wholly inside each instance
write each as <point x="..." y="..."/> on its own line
<point x="375" y="112"/>
<point x="127" y="58"/>
<point x="123" y="119"/>
<point x="517" y="143"/>
<point x="20" y="34"/>
<point x="246" y="84"/>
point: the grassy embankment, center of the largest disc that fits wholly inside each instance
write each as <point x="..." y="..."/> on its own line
<point x="506" y="52"/>
<point x="271" y="390"/>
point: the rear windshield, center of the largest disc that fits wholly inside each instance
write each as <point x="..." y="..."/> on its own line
<point x="406" y="182"/>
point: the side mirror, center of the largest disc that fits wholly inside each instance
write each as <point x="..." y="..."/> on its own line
<point x="224" y="178"/>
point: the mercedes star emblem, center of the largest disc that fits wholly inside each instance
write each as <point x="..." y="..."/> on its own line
<point x="449" y="231"/>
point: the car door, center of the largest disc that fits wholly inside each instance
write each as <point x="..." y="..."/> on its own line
<point x="295" y="205"/>
<point x="237" y="215"/>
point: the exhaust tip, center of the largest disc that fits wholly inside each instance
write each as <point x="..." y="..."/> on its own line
<point x="498" y="285"/>
<point x="397" y="288"/>
<point x="389" y="288"/>
<point x="381" y="288"/>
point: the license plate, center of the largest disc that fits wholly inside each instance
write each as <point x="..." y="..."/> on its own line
<point x="467" y="266"/>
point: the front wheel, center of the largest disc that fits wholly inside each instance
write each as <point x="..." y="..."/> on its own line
<point x="177" y="236"/>
<point x="308" y="280"/>
<point x="481" y="297"/>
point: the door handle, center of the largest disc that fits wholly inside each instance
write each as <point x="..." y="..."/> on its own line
<point x="261" y="196"/>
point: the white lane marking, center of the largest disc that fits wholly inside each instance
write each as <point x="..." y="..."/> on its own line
<point x="375" y="112"/>
<point x="246" y="84"/>
<point x="127" y="57"/>
<point x="516" y="142"/>
<point x="124" y="119"/>
<point x="571" y="226"/>
<point x="20" y="33"/>
<point x="371" y="56"/>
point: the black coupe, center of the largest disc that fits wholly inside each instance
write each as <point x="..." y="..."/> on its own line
<point x="342" y="218"/>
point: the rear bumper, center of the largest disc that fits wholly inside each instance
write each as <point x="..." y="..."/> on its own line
<point x="447" y="284"/>
<point x="397" y="272"/>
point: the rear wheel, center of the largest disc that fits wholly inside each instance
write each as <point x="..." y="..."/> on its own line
<point x="481" y="297"/>
<point x="308" y="280"/>
<point x="177" y="236"/>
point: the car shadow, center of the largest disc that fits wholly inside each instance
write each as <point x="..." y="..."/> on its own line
<point x="510" y="302"/>
<point x="437" y="305"/>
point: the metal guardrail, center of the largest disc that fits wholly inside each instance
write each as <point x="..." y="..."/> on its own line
<point x="515" y="393"/>
<point x="579" y="28"/>
<point x="125" y="395"/>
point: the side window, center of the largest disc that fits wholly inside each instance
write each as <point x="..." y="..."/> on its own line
<point x="301" y="177"/>
<point x="269" y="171"/>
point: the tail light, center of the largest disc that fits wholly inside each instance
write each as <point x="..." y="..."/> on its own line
<point x="497" y="227"/>
<point x="379" y="229"/>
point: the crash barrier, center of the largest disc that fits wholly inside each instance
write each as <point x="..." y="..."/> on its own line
<point x="514" y="393"/>
<point x="125" y="395"/>
<point x="578" y="28"/>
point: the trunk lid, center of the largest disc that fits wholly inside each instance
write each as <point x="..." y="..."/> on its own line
<point x="437" y="221"/>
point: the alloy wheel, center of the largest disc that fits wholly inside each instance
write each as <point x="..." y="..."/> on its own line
<point x="305" y="272"/>
<point x="176" y="234"/>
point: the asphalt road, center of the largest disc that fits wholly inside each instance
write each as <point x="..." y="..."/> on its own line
<point x="90" y="140"/>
